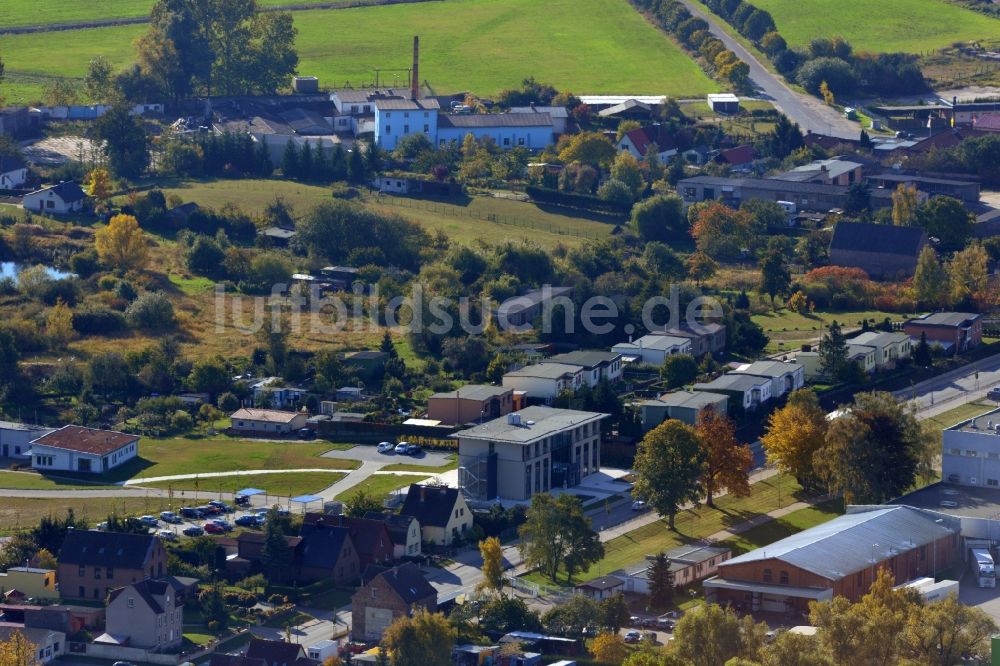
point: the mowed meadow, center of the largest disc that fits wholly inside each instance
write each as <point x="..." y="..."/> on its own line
<point x="586" y="46"/>
<point x="910" y="26"/>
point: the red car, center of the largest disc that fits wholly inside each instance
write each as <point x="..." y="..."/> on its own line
<point x="212" y="528"/>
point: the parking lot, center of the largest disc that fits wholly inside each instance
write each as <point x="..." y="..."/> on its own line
<point x="985" y="598"/>
<point x="368" y="453"/>
<point x="178" y="528"/>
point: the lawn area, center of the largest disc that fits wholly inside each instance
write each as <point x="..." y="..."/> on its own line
<point x="34" y="481"/>
<point x="414" y="467"/>
<point x="219" y="453"/>
<point x="772" y="531"/>
<point x="381" y="485"/>
<point x="192" y="286"/>
<point x="586" y="46"/>
<point x="693" y="524"/>
<point x="465" y="220"/>
<point x="329" y="600"/>
<point x="789" y="330"/>
<point x="289" y="484"/>
<point x="960" y="413"/>
<point x="912" y="26"/>
<point x="18" y="513"/>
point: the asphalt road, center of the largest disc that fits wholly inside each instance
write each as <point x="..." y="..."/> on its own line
<point x="811" y="114"/>
<point x="940" y="394"/>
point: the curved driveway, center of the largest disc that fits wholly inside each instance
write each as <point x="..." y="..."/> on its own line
<point x="811" y="114"/>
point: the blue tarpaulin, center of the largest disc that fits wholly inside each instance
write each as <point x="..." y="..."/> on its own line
<point x="250" y="492"/>
<point x="305" y="499"/>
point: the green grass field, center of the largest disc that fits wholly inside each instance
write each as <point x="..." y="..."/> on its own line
<point x="182" y="455"/>
<point x="768" y="533"/>
<point x="464" y="220"/>
<point x="381" y="485"/>
<point x="789" y="330"/>
<point x="587" y="46"/>
<point x="912" y="26"/>
<point x="18" y="513"/>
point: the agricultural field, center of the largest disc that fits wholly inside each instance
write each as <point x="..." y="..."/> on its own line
<point x="587" y="46"/>
<point x="911" y="26"/>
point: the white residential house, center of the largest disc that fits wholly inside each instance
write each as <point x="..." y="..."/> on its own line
<point x="890" y="348"/>
<point x="61" y="199"/>
<point x="747" y="391"/>
<point x="785" y="377"/>
<point x="74" y="448"/>
<point x="544" y="381"/>
<point x="267" y="421"/>
<point x="596" y="365"/>
<point x="13" y="173"/>
<point x="653" y="349"/>
<point x="268" y="391"/>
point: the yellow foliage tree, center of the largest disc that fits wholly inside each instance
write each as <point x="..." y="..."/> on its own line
<point x="824" y="90"/>
<point x="99" y="186"/>
<point x="492" y="554"/>
<point x="122" y="244"/>
<point x="794" y="433"/>
<point x="798" y="302"/>
<point x="17" y="651"/>
<point x="904" y="205"/>
<point x="425" y="639"/>
<point x="968" y="273"/>
<point x="609" y="648"/>
<point x="59" y="324"/>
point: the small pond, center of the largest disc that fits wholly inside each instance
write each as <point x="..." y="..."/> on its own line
<point x="10" y="269"/>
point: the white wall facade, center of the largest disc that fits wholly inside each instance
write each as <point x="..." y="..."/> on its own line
<point x="50" y="459"/>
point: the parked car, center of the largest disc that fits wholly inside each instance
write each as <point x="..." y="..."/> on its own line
<point x="149" y="521"/>
<point x="102" y="526"/>
<point x="384" y="447"/>
<point x="191" y="513"/>
<point x="994" y="394"/>
<point x="167" y="535"/>
<point x="638" y="505"/>
<point x="403" y="448"/>
<point x="248" y="520"/>
<point x="123" y="663"/>
<point x="634" y="621"/>
<point x="242" y="500"/>
<point x="209" y="510"/>
<point x="170" y="517"/>
<point x="213" y="528"/>
<point x="224" y="524"/>
<point x="414" y="450"/>
<point x="221" y="506"/>
<point x="633" y="636"/>
<point x="192" y="531"/>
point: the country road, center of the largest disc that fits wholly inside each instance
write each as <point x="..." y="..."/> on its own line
<point x="811" y="114"/>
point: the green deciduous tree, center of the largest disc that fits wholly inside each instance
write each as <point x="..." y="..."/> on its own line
<point x="124" y="139"/>
<point x="930" y="281"/>
<point x="668" y="467"/>
<point x="660" y="218"/>
<point x="679" y="370"/>
<point x="875" y="451"/>
<point x="833" y="352"/>
<point x="556" y="533"/>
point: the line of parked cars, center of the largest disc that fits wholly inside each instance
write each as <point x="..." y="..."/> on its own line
<point x="402" y="448"/>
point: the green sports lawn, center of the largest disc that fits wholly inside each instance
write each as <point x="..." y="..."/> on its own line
<point x="586" y="46"/>
<point x="910" y="26"/>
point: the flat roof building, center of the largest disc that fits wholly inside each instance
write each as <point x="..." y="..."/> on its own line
<point x="526" y="452"/>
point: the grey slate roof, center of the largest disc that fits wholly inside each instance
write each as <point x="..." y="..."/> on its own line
<point x="542" y="370"/>
<point x="733" y="382"/>
<point x="109" y="549"/>
<point x="406" y="580"/>
<point x="878" y="238"/>
<point x="10" y="163"/>
<point x="321" y="547"/>
<point x="844" y="545"/>
<point x="689" y="399"/>
<point x="474" y="392"/>
<point x="656" y="341"/>
<point x="947" y="319"/>
<point x="877" y="338"/>
<point x="495" y="120"/>
<point x="553" y="111"/>
<point x="405" y="104"/>
<point x="536" y="422"/>
<point x="586" y="359"/>
<point x="430" y="505"/>
<point x="769" y="369"/>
